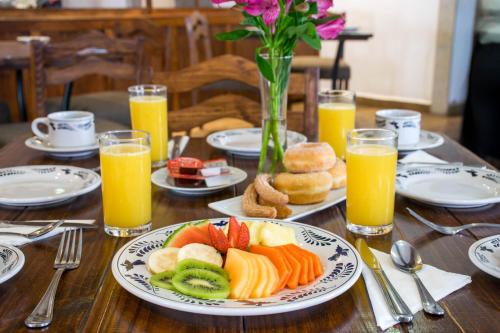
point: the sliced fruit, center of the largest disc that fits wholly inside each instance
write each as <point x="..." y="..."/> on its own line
<point x="163" y="280"/>
<point x="253" y="274"/>
<point x="238" y="269"/>
<point x="218" y="239"/>
<point x="203" y="226"/>
<point x="243" y="237"/>
<point x="187" y="234"/>
<point x="200" y="252"/>
<point x="293" y="280"/>
<point x="201" y="283"/>
<point x="304" y="266"/>
<point x="233" y="232"/>
<point x="278" y="261"/>
<point x="272" y="278"/>
<point x="195" y="263"/>
<point x="261" y="275"/>
<point x="300" y="253"/>
<point x="316" y="262"/>
<point x="273" y="234"/>
<point x="254" y="230"/>
<point x="162" y="260"/>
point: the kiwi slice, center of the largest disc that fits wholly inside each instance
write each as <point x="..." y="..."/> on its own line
<point x="163" y="280"/>
<point x="201" y="283"/>
<point x="194" y="263"/>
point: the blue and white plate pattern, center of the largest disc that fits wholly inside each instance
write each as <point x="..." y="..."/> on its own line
<point x="61" y="152"/>
<point x="485" y="254"/>
<point x="246" y="141"/>
<point x="341" y="262"/>
<point x="44" y="184"/>
<point x="449" y="186"/>
<point x="427" y="140"/>
<point x="11" y="261"/>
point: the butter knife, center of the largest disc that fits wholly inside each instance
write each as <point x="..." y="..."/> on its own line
<point x="399" y="309"/>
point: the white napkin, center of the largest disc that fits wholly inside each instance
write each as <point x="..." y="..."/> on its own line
<point x="420" y="156"/>
<point x="20" y="240"/>
<point x="184" y="140"/>
<point x="439" y="283"/>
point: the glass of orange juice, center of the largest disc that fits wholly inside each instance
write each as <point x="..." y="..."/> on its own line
<point x="148" y="112"/>
<point x="336" y="115"/>
<point x="126" y="182"/>
<point x="371" y="158"/>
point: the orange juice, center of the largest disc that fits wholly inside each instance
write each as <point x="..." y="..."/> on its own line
<point x="126" y="185"/>
<point x="335" y="120"/>
<point x="149" y="113"/>
<point x="371" y="176"/>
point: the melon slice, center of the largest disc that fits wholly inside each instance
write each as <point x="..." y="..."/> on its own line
<point x="262" y="277"/>
<point x="187" y="234"/>
<point x="273" y="279"/>
<point x="253" y="275"/>
<point x="278" y="261"/>
<point x="238" y="268"/>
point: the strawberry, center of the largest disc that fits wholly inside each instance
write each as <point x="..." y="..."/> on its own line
<point x="218" y="239"/>
<point x="233" y="231"/>
<point x="243" y="237"/>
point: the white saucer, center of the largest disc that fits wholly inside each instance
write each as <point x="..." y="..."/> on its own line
<point x="427" y="140"/>
<point x="485" y="254"/>
<point x="44" y="184"/>
<point x="159" y="178"/>
<point x="11" y="261"/>
<point x="246" y="141"/>
<point x="449" y="186"/>
<point x="61" y="152"/>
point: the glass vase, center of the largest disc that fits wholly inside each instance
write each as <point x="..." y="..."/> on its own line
<point x="274" y="96"/>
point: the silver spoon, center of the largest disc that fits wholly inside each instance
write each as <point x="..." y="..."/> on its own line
<point x="407" y="259"/>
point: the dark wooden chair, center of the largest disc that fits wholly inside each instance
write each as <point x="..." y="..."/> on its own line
<point x="91" y="53"/>
<point x="198" y="31"/>
<point x="230" y="104"/>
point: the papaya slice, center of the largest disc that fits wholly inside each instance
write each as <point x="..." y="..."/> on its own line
<point x="299" y="252"/>
<point x="296" y="275"/>
<point x="304" y="267"/>
<point x="278" y="260"/>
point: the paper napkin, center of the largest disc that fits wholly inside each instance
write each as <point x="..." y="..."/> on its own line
<point x="420" y="156"/>
<point x="439" y="283"/>
<point x="184" y="140"/>
<point x="20" y="240"/>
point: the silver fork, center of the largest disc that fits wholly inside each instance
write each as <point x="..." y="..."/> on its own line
<point x="36" y="233"/>
<point x="450" y="230"/>
<point x="66" y="259"/>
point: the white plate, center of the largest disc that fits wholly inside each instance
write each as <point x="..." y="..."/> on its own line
<point x="44" y="184"/>
<point x="11" y="261"/>
<point x="449" y="186"/>
<point x="341" y="262"/>
<point x="485" y="254"/>
<point x="232" y="206"/>
<point x="246" y="141"/>
<point x="427" y="140"/>
<point x="61" y="152"/>
<point x="159" y="178"/>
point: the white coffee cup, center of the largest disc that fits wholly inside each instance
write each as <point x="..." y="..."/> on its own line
<point x="405" y="122"/>
<point x="67" y="128"/>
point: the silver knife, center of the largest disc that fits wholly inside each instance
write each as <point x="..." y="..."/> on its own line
<point x="399" y="310"/>
<point x="36" y="223"/>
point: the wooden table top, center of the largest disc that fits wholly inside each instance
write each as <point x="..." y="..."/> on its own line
<point x="14" y="54"/>
<point x="89" y="299"/>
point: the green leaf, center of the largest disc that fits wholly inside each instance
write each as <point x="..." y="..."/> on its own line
<point x="249" y="20"/>
<point x="264" y="66"/>
<point x="312" y="40"/>
<point x="326" y="19"/>
<point x="234" y="35"/>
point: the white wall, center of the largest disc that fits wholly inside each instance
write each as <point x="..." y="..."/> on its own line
<point x="398" y="61"/>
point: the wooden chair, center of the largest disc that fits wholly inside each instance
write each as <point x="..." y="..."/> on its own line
<point x="237" y="69"/>
<point x="197" y="30"/>
<point x="91" y="53"/>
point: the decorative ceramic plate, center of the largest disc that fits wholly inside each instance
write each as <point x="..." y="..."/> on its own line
<point x="340" y="260"/>
<point x="44" y="184"/>
<point x="232" y="206"/>
<point x="160" y="178"/>
<point x="246" y="141"/>
<point x="449" y="186"/>
<point x="485" y="254"/>
<point x="11" y="261"/>
<point x="427" y="140"/>
<point x="61" y="152"/>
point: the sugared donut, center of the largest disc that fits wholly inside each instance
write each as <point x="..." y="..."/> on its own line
<point x="338" y="173"/>
<point x="309" y="157"/>
<point x="304" y="188"/>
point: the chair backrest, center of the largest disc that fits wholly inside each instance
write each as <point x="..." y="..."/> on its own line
<point x="90" y="53"/>
<point x="197" y="29"/>
<point x="234" y="68"/>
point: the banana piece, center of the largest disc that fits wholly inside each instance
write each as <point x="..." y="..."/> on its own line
<point x="162" y="260"/>
<point x="200" y="252"/>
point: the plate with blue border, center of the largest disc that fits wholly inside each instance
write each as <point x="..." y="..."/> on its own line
<point x="485" y="254"/>
<point x="11" y="261"/>
<point x="341" y="262"/>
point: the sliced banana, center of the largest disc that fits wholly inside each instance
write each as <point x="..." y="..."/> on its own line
<point x="162" y="260"/>
<point x="200" y="252"/>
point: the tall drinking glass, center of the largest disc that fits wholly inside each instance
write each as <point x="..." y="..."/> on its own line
<point x="126" y="182"/>
<point x="371" y="158"/>
<point x="336" y="117"/>
<point x="148" y="111"/>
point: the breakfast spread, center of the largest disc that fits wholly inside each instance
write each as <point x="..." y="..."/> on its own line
<point x="312" y="171"/>
<point x="251" y="259"/>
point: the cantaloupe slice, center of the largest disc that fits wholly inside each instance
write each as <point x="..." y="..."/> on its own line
<point x="273" y="280"/>
<point x="293" y="280"/>
<point x="262" y="277"/>
<point x="238" y="268"/>
<point x="303" y="264"/>
<point x="300" y="253"/>
<point x="253" y="274"/>
<point x="278" y="261"/>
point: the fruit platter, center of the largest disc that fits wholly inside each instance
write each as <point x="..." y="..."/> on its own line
<point x="231" y="267"/>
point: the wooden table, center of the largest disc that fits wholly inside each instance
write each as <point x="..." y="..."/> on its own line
<point x="90" y="300"/>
